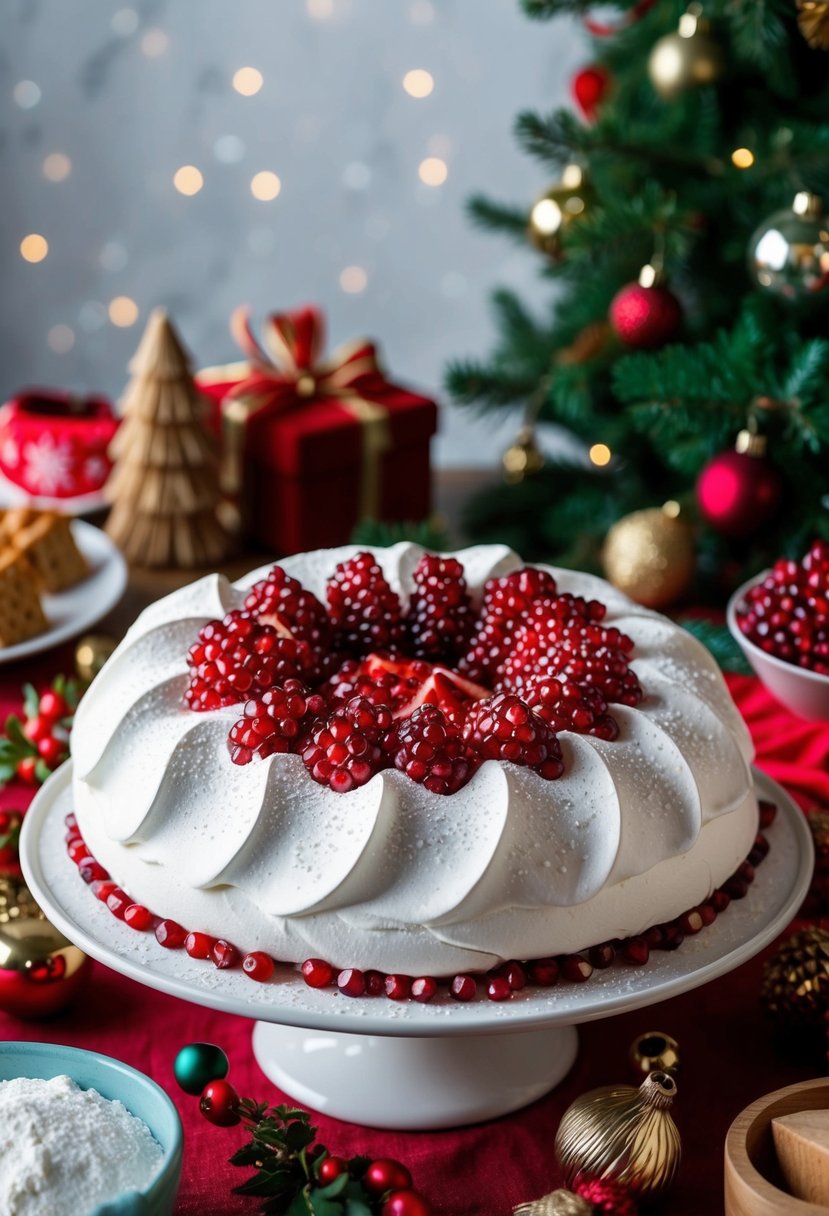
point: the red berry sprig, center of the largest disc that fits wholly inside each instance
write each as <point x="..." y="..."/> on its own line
<point x="290" y="1164"/>
<point x="35" y="744"/>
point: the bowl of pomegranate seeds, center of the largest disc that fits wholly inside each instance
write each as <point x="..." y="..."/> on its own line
<point x="781" y="621"/>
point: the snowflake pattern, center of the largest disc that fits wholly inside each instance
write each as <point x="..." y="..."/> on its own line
<point x="49" y="466"/>
<point x="10" y="453"/>
<point x="95" y="470"/>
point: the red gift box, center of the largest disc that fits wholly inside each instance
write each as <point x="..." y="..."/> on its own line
<point x="313" y="446"/>
<point x="55" y="445"/>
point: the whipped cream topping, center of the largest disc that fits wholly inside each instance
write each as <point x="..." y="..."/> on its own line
<point x="391" y="875"/>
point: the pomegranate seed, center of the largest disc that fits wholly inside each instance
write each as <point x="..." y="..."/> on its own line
<point x="504" y="727"/>
<point x="346" y="752"/>
<point x="498" y="988"/>
<point x="672" y="936"/>
<point x="199" y="945"/>
<point x="463" y="988"/>
<point x="70" y="821"/>
<point x="91" y="871"/>
<point x="77" y="849"/>
<point x="398" y="987"/>
<point x="736" y="887"/>
<point x="515" y="975"/>
<point x="375" y="983"/>
<point x="223" y="954"/>
<point x="691" y="922"/>
<point x="708" y="913"/>
<point x="424" y="988"/>
<point x="170" y="934"/>
<point x="720" y="900"/>
<point x="428" y="748"/>
<point x="351" y="982"/>
<point x="138" y="917"/>
<point x="768" y="813"/>
<point x="317" y="973"/>
<point x="258" y="965"/>
<point x="654" y="938"/>
<point x="118" y="902"/>
<point x="544" y="972"/>
<point x="746" y="872"/>
<point x="601" y="956"/>
<point x="761" y="844"/>
<point x="576" y="969"/>
<point x="636" y="951"/>
<point x="102" y="888"/>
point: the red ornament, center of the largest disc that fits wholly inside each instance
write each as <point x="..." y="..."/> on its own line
<point x="331" y="1168"/>
<point x="645" y="316"/>
<point x="406" y="1203"/>
<point x="590" y="87"/>
<point x="739" y="491"/>
<point x="606" y="1197"/>
<point x="219" y="1103"/>
<point x="386" y="1174"/>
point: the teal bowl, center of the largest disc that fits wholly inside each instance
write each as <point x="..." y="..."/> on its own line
<point x="112" y="1079"/>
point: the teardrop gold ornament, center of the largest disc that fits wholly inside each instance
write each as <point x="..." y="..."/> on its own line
<point x="559" y="1203"/>
<point x="624" y="1135"/>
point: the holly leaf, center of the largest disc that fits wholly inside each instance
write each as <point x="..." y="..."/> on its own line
<point x="42" y="770"/>
<point x="248" y="1154"/>
<point x="356" y="1207"/>
<point x="267" y="1182"/>
<point x="320" y="1205"/>
<point x="14" y="731"/>
<point x="298" y="1136"/>
<point x="31" y="700"/>
<point x="333" y="1189"/>
<point x="7" y="771"/>
<point x="300" y="1206"/>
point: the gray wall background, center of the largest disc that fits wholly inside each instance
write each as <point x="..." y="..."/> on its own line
<point x="130" y="92"/>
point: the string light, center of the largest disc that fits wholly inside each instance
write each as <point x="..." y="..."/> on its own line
<point x="248" y="81"/>
<point x="61" y="339"/>
<point x="123" y="312"/>
<point x="353" y="280"/>
<point x="57" y="166"/>
<point x="265" y="186"/>
<point x="433" y="171"/>
<point x="418" y="82"/>
<point x="34" y="247"/>
<point x="188" y="180"/>
<point x="154" y="43"/>
<point x="672" y="509"/>
<point x="27" y="94"/>
<point x="743" y="158"/>
<point x="600" y="454"/>
<point x="320" y="10"/>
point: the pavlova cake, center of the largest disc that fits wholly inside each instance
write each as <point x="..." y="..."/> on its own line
<point x="411" y="764"/>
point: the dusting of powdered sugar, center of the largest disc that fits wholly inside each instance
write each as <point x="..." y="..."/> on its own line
<point x="65" y="1150"/>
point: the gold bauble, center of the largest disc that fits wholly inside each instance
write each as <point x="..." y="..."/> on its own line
<point x="654" y="1051"/>
<point x="40" y="970"/>
<point x="558" y="1203"/>
<point x="795" y="987"/>
<point x="523" y="458"/>
<point x="649" y="555"/>
<point x="687" y="59"/>
<point x="91" y="653"/>
<point x="813" y="20"/>
<point x="623" y="1135"/>
<point x="560" y="204"/>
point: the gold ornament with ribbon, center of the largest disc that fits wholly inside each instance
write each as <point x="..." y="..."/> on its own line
<point x="287" y="371"/>
<point x="686" y="59"/>
<point x="813" y="21"/>
<point x="553" y="211"/>
<point x="650" y="555"/>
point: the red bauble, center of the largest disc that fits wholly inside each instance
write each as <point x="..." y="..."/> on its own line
<point x="590" y="87"/>
<point x="386" y="1174"/>
<point x="219" y="1103"/>
<point x="406" y="1203"/>
<point x="738" y="493"/>
<point x="645" y="317"/>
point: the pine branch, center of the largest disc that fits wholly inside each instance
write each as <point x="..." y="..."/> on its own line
<point x="553" y="139"/>
<point x="498" y="217"/>
<point x="543" y="10"/>
<point x="759" y="31"/>
<point x="485" y="385"/>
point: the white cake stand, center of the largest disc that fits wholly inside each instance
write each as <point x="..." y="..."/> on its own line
<point x="456" y="1063"/>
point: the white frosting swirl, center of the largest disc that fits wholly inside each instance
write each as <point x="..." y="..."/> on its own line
<point x="390" y="875"/>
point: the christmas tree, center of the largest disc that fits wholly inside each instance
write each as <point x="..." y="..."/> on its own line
<point x="685" y="236"/>
<point x="165" y="483"/>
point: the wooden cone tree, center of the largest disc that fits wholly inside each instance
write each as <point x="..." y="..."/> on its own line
<point x="164" y="486"/>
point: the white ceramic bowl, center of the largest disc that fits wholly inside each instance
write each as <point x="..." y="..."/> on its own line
<point x="804" y="692"/>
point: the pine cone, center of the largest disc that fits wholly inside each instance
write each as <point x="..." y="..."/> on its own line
<point x="796" y="980"/>
<point x="818" y="897"/>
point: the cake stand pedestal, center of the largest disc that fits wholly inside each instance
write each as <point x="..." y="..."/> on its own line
<point x="456" y="1063"/>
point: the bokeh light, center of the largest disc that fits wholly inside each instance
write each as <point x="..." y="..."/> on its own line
<point x="61" y="339"/>
<point x="353" y="280"/>
<point x="265" y="186"/>
<point x="27" y="94"/>
<point x="600" y="454"/>
<point x="154" y="42"/>
<point x="188" y="180"/>
<point x="743" y="158"/>
<point x="34" y="247"/>
<point x="123" y="312"/>
<point x="248" y="81"/>
<point x="433" y="171"/>
<point x="418" y="82"/>
<point x="319" y="10"/>
<point x="57" y="166"/>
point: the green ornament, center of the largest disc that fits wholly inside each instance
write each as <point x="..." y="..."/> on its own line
<point x="199" y="1063"/>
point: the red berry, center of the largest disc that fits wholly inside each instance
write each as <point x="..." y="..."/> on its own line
<point x="92" y="871"/>
<point x="223" y="954"/>
<point x="317" y="973"/>
<point x="118" y="901"/>
<point x="406" y="1203"/>
<point x="601" y="956"/>
<point x="398" y="987"/>
<point x="219" y="1103"/>
<point x="428" y="748"/>
<point x="26" y="770"/>
<point x="138" y="917"/>
<point x="544" y="972"/>
<point x="351" y="982"/>
<point x="424" y="988"/>
<point x="331" y="1168"/>
<point x="52" y="706"/>
<point x="199" y="945"/>
<point x="505" y="728"/>
<point x="345" y="751"/>
<point x="386" y="1174"/>
<point x="52" y="750"/>
<point x="101" y="888"/>
<point x="258" y="965"/>
<point x="440" y="617"/>
<point x="365" y="611"/>
<point x="170" y="934"/>
<point x="463" y="988"/>
<point x="498" y="988"/>
<point x="274" y="722"/>
<point x="576" y="969"/>
<point x="37" y="728"/>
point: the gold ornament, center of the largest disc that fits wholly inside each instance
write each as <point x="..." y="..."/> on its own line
<point x="623" y="1135"/>
<point x="40" y="969"/>
<point x="554" y="210"/>
<point x="687" y="59"/>
<point x="91" y="653"/>
<point x="654" y="1051"/>
<point x="795" y="987"/>
<point x="649" y="555"/>
<point x="559" y="1203"/>
<point x="524" y="458"/>
<point x="788" y="254"/>
<point x="813" y="20"/>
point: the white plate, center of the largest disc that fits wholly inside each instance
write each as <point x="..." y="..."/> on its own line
<point x="13" y="495"/>
<point x="742" y="931"/>
<point x="72" y="611"/>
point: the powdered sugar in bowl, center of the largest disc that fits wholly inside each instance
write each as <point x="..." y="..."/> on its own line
<point x="142" y="1130"/>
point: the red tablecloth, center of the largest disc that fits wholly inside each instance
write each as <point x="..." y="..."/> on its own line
<point x="480" y="1171"/>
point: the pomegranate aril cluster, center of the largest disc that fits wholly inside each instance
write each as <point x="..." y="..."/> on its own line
<point x="274" y="722"/>
<point x="430" y="750"/>
<point x="365" y="611"/>
<point x="505" y="728"/>
<point x="786" y="614"/>
<point x="346" y="750"/>
<point x="238" y="658"/>
<point x="440" y="616"/>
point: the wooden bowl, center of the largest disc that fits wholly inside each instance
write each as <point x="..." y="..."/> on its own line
<point x="754" y="1185"/>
